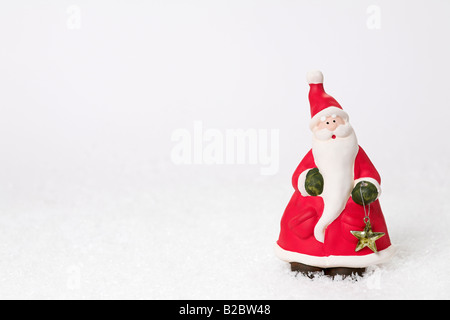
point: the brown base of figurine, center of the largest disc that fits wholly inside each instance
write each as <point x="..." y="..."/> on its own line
<point x="312" y="272"/>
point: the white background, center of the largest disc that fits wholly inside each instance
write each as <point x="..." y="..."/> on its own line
<point x="91" y="204"/>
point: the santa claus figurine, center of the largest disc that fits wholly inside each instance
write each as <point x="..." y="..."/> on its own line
<point x="333" y="223"/>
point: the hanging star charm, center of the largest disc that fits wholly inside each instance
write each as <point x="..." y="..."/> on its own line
<point x="367" y="238"/>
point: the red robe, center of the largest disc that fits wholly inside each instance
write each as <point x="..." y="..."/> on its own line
<point x="297" y="243"/>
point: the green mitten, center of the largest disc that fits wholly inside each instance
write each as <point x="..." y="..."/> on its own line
<point x="368" y="190"/>
<point x="314" y="182"/>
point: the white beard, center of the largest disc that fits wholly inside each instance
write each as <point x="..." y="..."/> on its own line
<point x="335" y="159"/>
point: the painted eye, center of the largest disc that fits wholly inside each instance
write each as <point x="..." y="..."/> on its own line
<point x="334" y="121"/>
<point x="328" y="122"/>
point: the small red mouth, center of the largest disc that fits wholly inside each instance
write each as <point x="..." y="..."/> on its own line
<point x="333" y="136"/>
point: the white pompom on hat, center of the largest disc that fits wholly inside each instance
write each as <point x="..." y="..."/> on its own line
<point x="314" y="77"/>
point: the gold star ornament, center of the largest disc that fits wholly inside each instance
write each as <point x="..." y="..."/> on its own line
<point x="367" y="238"/>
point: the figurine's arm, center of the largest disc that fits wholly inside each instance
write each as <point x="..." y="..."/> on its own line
<point x="367" y="180"/>
<point x="307" y="179"/>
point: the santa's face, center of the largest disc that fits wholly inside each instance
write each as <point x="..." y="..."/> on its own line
<point x="332" y="127"/>
<point x="330" y="123"/>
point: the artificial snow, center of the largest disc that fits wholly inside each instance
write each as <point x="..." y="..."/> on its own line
<point x="196" y="239"/>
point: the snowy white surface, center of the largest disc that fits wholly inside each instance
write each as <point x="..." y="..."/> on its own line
<point x="91" y="205"/>
<point x="210" y="240"/>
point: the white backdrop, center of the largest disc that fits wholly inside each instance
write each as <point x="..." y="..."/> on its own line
<point x="93" y="94"/>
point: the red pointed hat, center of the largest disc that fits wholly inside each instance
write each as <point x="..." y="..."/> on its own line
<point x="322" y="104"/>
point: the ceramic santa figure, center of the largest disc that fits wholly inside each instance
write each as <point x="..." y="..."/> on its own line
<point x="333" y="223"/>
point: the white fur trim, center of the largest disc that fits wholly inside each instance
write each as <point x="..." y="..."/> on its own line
<point x="336" y="261"/>
<point x="301" y="183"/>
<point x="371" y="180"/>
<point x="314" y="77"/>
<point x="328" y="112"/>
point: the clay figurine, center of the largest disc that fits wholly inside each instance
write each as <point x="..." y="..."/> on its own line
<point x="333" y="224"/>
